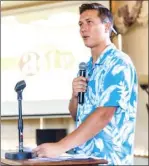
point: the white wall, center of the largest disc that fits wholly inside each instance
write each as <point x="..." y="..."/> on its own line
<point x="135" y="44"/>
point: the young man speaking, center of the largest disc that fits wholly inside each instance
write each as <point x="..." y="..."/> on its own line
<point x="106" y="120"/>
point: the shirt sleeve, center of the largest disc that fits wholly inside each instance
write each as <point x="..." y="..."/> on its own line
<point x="117" y="87"/>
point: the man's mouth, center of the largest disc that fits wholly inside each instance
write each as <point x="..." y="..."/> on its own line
<point x="85" y="37"/>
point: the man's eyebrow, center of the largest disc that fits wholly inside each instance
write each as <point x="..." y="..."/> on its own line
<point x="88" y="19"/>
<point x="85" y="20"/>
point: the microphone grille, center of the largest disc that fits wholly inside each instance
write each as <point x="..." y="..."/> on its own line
<point x="82" y="66"/>
<point x="20" y="85"/>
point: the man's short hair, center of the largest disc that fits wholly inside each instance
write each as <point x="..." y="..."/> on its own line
<point x="102" y="10"/>
<point x="104" y="13"/>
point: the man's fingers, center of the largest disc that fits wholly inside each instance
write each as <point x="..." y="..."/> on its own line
<point x="80" y="79"/>
<point x="80" y="90"/>
<point x="80" y="87"/>
<point x="36" y="149"/>
<point x="40" y="155"/>
<point x="79" y="83"/>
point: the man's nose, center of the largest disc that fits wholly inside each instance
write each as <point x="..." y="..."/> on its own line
<point x="83" y="28"/>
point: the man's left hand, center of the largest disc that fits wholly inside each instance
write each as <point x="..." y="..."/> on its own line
<point x="49" y="150"/>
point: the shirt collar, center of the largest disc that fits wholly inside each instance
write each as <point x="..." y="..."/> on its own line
<point x="102" y="57"/>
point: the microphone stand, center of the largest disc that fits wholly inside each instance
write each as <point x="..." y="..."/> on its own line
<point x="21" y="155"/>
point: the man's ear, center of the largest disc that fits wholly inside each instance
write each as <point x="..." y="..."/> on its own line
<point x="107" y="27"/>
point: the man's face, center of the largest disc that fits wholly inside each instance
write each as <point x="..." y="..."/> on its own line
<point x="92" y="29"/>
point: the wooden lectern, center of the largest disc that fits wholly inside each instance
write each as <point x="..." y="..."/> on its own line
<point x="84" y="162"/>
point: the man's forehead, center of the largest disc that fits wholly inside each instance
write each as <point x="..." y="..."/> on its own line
<point x="89" y="14"/>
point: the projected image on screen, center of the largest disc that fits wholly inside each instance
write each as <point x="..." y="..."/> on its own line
<point x="44" y="52"/>
<point x="44" y="48"/>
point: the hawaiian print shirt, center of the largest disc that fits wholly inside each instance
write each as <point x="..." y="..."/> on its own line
<point x="112" y="83"/>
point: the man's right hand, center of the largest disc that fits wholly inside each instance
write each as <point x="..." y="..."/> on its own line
<point x="79" y="84"/>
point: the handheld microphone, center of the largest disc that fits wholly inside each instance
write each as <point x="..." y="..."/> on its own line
<point x="82" y="72"/>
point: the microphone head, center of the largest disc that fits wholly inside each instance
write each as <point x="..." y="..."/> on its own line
<point x="82" y="66"/>
<point x="20" y="86"/>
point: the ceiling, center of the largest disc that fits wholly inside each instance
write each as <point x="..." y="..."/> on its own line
<point x="11" y="5"/>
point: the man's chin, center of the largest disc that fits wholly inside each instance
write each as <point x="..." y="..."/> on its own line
<point x="87" y="45"/>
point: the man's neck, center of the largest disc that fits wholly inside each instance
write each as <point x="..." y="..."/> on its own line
<point x="96" y="51"/>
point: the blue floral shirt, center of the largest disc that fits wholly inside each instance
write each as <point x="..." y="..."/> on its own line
<point x="112" y="83"/>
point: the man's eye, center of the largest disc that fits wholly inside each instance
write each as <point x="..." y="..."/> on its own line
<point x="89" y="22"/>
<point x="80" y="25"/>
